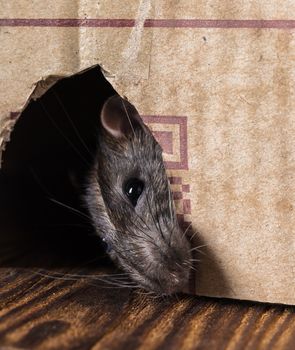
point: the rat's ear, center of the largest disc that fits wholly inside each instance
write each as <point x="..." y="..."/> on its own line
<point x="119" y="117"/>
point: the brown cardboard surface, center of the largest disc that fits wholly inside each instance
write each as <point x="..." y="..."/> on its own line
<point x="218" y="94"/>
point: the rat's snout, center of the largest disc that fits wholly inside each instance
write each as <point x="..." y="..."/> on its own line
<point x="168" y="266"/>
<point x="172" y="272"/>
<point x="172" y="282"/>
<point x="164" y="271"/>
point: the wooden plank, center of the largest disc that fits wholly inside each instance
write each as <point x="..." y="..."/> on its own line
<point x="38" y="311"/>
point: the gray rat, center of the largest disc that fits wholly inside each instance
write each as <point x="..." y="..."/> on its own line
<point x="128" y="197"/>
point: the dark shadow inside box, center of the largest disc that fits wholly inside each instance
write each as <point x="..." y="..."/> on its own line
<point x="42" y="218"/>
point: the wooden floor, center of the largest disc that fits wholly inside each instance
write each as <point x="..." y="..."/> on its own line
<point x="42" y="312"/>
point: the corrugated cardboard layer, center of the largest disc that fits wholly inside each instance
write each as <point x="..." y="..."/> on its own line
<point x="224" y="98"/>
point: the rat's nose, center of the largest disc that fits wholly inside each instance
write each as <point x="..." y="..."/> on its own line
<point x="174" y="283"/>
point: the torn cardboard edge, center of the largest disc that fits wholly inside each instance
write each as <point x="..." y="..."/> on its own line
<point x="39" y="88"/>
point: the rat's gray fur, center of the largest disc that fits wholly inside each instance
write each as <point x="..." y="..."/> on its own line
<point x="146" y="241"/>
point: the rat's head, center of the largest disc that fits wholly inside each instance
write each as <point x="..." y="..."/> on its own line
<point x="130" y="201"/>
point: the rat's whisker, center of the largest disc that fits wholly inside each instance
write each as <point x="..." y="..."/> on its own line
<point x="70" y="208"/>
<point x="66" y="277"/>
<point x="80" y="275"/>
<point x="194" y="260"/>
<point x="128" y="116"/>
<point x="70" y="121"/>
<point x="199" y="246"/>
<point x="186" y="230"/>
<point x="193" y="235"/>
<point x="62" y="133"/>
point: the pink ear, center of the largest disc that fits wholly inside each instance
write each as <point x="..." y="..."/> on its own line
<point x="119" y="117"/>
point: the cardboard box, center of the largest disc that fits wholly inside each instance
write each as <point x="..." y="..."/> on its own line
<point x="215" y="81"/>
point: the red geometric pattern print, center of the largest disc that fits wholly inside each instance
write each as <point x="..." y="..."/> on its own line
<point x="182" y="201"/>
<point x="171" y="133"/>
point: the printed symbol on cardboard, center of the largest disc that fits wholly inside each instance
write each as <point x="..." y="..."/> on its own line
<point x="181" y="194"/>
<point x="171" y="133"/>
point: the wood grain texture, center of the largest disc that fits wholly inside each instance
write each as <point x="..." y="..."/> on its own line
<point x="41" y="312"/>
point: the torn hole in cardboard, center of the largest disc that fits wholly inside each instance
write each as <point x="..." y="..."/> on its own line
<point x="53" y="138"/>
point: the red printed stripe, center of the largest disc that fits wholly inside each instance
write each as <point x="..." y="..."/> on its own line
<point x="66" y="22"/>
<point x="149" y="23"/>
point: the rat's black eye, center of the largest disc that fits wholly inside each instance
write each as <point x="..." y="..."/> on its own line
<point x="106" y="246"/>
<point x="133" y="189"/>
